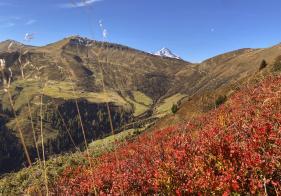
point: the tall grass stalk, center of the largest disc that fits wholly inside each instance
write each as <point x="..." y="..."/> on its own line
<point x="41" y="121"/>
<point x="6" y="89"/>
<point x="80" y="121"/>
<point x="60" y="115"/>
<point x="104" y="90"/>
<point x="42" y="145"/>
<point x="19" y="129"/>
<point x="29" y="107"/>
<point x="44" y="170"/>
<point x="33" y="133"/>
<point x="67" y="129"/>
<point x="104" y="35"/>
<point x="28" y="104"/>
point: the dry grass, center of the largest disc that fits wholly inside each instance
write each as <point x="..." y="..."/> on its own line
<point x="164" y="107"/>
<point x="141" y="98"/>
<point x="138" y="108"/>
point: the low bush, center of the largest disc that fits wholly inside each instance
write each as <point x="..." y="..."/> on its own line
<point x="174" y="108"/>
<point x="220" y="100"/>
<point x="263" y="65"/>
<point x="277" y="64"/>
<point x="232" y="150"/>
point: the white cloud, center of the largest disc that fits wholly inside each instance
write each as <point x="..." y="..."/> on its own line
<point x="80" y="3"/>
<point x="30" y="22"/>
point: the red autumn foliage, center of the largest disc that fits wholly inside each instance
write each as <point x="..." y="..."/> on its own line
<point x="233" y="149"/>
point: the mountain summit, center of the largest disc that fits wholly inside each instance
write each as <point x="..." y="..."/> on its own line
<point x="165" y="52"/>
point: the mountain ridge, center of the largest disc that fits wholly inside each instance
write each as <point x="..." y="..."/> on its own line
<point x="138" y="87"/>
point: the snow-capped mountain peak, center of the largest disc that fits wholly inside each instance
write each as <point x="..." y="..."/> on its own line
<point x="165" y="52"/>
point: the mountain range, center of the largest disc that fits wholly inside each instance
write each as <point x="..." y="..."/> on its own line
<point x="76" y="78"/>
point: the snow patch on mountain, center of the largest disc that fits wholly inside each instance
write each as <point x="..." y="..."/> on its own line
<point x="165" y="52"/>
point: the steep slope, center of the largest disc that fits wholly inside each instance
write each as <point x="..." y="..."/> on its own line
<point x="201" y="157"/>
<point x="12" y="45"/>
<point x="231" y="150"/>
<point x="68" y="75"/>
<point x="78" y="75"/>
<point x="223" y="75"/>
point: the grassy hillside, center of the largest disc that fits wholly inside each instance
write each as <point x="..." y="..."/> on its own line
<point x="226" y="74"/>
<point x="76" y="72"/>
<point x="55" y="83"/>
<point x="232" y="150"/>
<point x="31" y="180"/>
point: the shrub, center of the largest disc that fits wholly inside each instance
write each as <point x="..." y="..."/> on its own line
<point x="277" y="64"/>
<point x="174" y="108"/>
<point x="263" y="65"/>
<point x="233" y="150"/>
<point x="220" y="100"/>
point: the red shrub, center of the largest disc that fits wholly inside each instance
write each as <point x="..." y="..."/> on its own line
<point x="233" y="149"/>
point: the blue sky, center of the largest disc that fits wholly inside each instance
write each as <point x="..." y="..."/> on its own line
<point x="193" y="29"/>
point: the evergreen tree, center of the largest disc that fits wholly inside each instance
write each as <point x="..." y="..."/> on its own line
<point x="174" y="108"/>
<point x="263" y="65"/>
<point x="220" y="100"/>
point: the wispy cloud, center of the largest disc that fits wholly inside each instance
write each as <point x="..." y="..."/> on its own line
<point x="30" y="22"/>
<point x="80" y="3"/>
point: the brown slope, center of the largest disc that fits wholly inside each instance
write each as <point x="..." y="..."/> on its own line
<point x="223" y="75"/>
<point x="124" y="68"/>
<point x="79" y="62"/>
<point x="13" y="45"/>
<point x="76" y="62"/>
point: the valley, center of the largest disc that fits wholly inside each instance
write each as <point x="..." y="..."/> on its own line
<point x="64" y="95"/>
